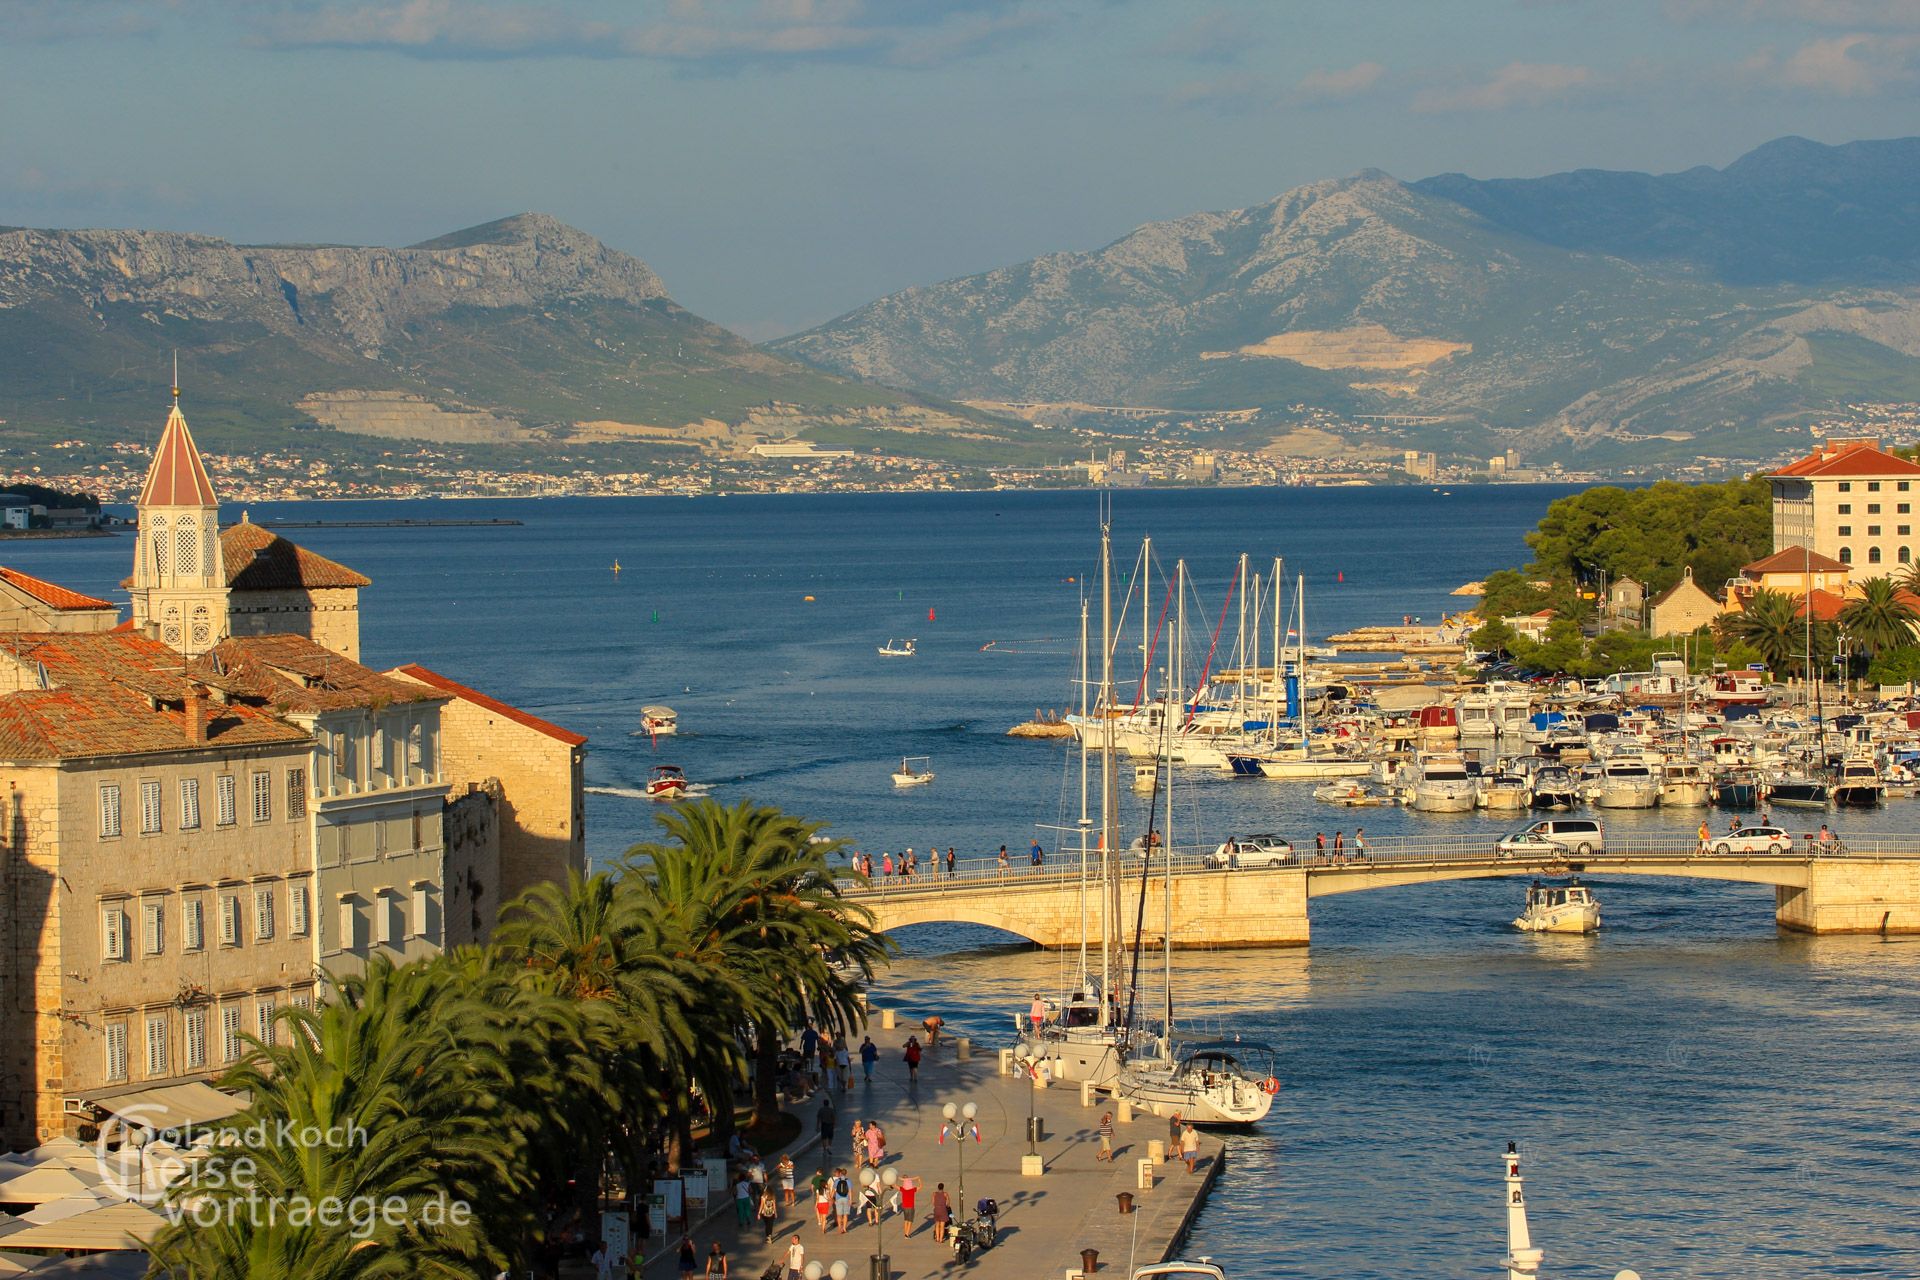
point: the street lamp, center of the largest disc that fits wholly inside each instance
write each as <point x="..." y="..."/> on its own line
<point x="964" y="1112"/>
<point x="875" y="1179"/>
<point x="836" y="1269"/>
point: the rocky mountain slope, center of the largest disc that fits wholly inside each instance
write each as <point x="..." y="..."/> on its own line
<point x="1578" y="314"/>
<point x="522" y="331"/>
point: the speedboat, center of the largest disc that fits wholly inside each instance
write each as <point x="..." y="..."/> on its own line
<point x="659" y="721"/>
<point x="666" y="782"/>
<point x="898" y="648"/>
<point x="1552" y="908"/>
<point x="913" y="771"/>
<point x="1203" y="1083"/>
<point x="1352" y="793"/>
<point x="1181" y="1269"/>
<point x="1555" y="787"/>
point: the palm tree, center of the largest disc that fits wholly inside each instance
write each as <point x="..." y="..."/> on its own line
<point x="391" y="1090"/>
<point x="1772" y="623"/>
<point x="754" y="897"/>
<point x="1878" y="618"/>
<point x="1910" y="578"/>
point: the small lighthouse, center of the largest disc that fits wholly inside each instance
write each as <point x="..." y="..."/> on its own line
<point x="1523" y="1260"/>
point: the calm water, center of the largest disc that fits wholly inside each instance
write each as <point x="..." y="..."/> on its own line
<point x="1698" y="1096"/>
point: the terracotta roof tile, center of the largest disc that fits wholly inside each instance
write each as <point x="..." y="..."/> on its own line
<point x="177" y="477"/>
<point x="111" y="693"/>
<point x="465" y="694"/>
<point x="293" y="674"/>
<point x="259" y="559"/>
<point x="1840" y="462"/>
<point x="50" y="594"/>
<point x="1795" y="560"/>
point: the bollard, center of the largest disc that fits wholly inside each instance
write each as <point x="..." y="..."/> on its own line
<point x="1089" y="1260"/>
<point x="1126" y="1112"/>
<point x="886" y="1019"/>
<point x="1034" y="1166"/>
<point x="963" y="1049"/>
<point x="1145" y="1179"/>
<point x="1156" y="1150"/>
<point x="1086" y="1093"/>
<point x="1126" y="1201"/>
<point x="1006" y="1062"/>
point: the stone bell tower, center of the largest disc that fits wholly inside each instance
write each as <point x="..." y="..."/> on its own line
<point x="179" y="582"/>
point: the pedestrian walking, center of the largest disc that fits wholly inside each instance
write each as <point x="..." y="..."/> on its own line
<point x="822" y="1199"/>
<point x="843" y="1061"/>
<point x="1036" y="855"/>
<point x="842" y="1199"/>
<point x="1003" y="860"/>
<point x="869" y="1054"/>
<point x="886" y="865"/>
<point x="825" y="1123"/>
<point x="949" y="860"/>
<point x="1174" y="1129"/>
<point x="876" y="1144"/>
<point x="909" y="1192"/>
<point x="870" y="1203"/>
<point x="1106" y="1136"/>
<point x="859" y="1143"/>
<point x="1359" y="842"/>
<point x="742" y="1201"/>
<point x="1705" y="835"/>
<point x="796" y="1260"/>
<point x="716" y="1262"/>
<point x="785" y="1170"/>
<point x="769" y="1215"/>
<point x="1190" y="1147"/>
<point x="689" y="1261"/>
<point x="912" y="1056"/>
<point x="602" y="1262"/>
<point x="1037" y="1012"/>
<point x="1319" y="842"/>
<point x="942" y="1212"/>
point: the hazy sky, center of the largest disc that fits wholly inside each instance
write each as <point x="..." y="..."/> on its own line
<point x="782" y="161"/>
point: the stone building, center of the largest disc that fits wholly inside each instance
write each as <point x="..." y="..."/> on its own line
<point x="156" y="874"/>
<point x="29" y="604"/>
<point x="179" y="583"/>
<point x="1681" y="609"/>
<point x="1851" y="501"/>
<point x="275" y="587"/>
<point x="542" y="823"/>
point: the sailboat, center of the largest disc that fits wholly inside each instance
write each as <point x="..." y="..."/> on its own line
<point x="1294" y="760"/>
<point x="1207" y="1082"/>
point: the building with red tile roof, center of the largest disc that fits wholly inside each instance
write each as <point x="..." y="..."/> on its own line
<point x="1852" y="501"/>
<point x="179" y="584"/>
<point x="28" y="603"/>
<point x="274" y="585"/>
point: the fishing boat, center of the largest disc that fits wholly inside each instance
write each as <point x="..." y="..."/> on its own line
<point x="666" y="782"/>
<point x="1857" y="785"/>
<point x="1554" y="908"/>
<point x="899" y="648"/>
<point x="659" y="721"/>
<point x="914" y="771"/>
<point x="1737" y="788"/>
<point x="1683" y="784"/>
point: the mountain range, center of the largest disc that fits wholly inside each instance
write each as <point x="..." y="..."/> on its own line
<point x="518" y="337"/>
<point x="1588" y="314"/>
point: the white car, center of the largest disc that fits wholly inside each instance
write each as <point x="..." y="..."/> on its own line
<point x="1249" y="851"/>
<point x="1530" y="844"/>
<point x="1753" y="840"/>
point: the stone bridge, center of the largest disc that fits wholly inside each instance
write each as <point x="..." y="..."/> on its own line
<point x="1866" y="886"/>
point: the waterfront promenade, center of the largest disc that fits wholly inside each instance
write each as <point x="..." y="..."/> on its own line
<point x="1045" y="1221"/>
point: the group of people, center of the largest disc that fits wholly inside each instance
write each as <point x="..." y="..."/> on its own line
<point x="1340" y="845"/>
<point x="910" y="864"/>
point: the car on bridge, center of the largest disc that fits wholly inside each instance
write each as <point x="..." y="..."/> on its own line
<point x="1554" y="836"/>
<point x="1774" y="840"/>
<point x="1237" y="852"/>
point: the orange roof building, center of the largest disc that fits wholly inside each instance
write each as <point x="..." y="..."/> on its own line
<point x="179" y="584"/>
<point x="28" y="603"/>
<point x="1852" y="501"/>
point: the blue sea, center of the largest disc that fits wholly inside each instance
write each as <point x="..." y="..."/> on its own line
<point x="1697" y="1095"/>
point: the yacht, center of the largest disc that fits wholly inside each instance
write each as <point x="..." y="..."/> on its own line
<point x="1443" y="785"/>
<point x="1504" y="792"/>
<point x="1205" y="1084"/>
<point x="1555" y="787"/>
<point x="1553" y="908"/>
<point x="1857" y="785"/>
<point x="1683" y="784"/>
<point x="1737" y="787"/>
<point x="1627" y="782"/>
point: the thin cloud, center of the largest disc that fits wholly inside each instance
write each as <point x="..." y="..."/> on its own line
<point x="1335" y="86"/>
<point x="1226" y="94"/>
<point x="1886" y="15"/>
<point x="1518" y="84"/>
<point x="1849" y="66"/>
<point x="1214" y="36"/>
<point x="896" y="32"/>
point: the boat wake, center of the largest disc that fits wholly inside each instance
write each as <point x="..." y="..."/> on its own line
<point x="694" y="791"/>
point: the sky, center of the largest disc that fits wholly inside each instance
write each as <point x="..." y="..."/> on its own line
<point x="781" y="162"/>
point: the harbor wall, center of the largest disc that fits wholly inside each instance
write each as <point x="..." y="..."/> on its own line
<point x="1844" y="895"/>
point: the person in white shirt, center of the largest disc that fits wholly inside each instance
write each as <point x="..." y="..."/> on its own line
<point x="796" y="1260"/>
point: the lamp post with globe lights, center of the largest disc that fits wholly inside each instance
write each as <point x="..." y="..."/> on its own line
<point x="879" y="1181"/>
<point x="959" y="1121"/>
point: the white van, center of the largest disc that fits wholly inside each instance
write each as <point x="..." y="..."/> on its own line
<point x="1569" y="835"/>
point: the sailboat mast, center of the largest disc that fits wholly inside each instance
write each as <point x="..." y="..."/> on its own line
<point x="1109" y="884"/>
<point x="1300" y="653"/>
<point x="1240" y="655"/>
<point x="1085" y="821"/>
<point x="1166" y="862"/>
<point x="1245" y="704"/>
<point x="1273" y="721"/>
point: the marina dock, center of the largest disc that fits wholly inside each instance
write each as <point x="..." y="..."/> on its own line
<point x="1045" y="1221"/>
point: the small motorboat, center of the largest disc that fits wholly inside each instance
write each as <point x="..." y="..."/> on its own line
<point x="1180" y="1269"/>
<point x="1798" y="790"/>
<point x="1352" y="793"/>
<point x="914" y="771"/>
<point x="659" y="721"/>
<point x="899" y="648"/>
<point x="1553" y="908"/>
<point x="1856" y="784"/>
<point x="1504" y="791"/>
<point x="666" y="782"/>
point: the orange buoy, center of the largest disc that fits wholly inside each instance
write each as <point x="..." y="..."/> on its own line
<point x="808" y="599"/>
<point x="929" y="615"/>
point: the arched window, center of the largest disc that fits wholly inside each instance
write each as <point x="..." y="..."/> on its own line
<point x="1906" y="555"/>
<point x="1873" y="555"/>
<point x="202" y="627"/>
<point x="186" y="547"/>
<point x="170" y="632"/>
<point x="1846" y="555"/>
<point x="158" y="542"/>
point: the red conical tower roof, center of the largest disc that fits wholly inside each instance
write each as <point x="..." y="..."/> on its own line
<point x="177" y="477"/>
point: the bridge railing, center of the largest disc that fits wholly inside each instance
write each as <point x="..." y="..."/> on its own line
<point x="1063" y="867"/>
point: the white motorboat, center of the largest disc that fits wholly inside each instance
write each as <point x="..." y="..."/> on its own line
<point x="1684" y="784"/>
<point x="1180" y="1269"/>
<point x="1204" y="1083"/>
<point x="1504" y="792"/>
<point x="899" y="648"/>
<point x="914" y="771"/>
<point x="1443" y="785"/>
<point x="1559" y="908"/>
<point x="666" y="782"/>
<point x="659" y="721"/>
<point x="1351" y="792"/>
<point x="1627" y="782"/>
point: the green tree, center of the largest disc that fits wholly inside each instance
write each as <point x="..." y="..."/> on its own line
<point x="1878" y="618"/>
<point x="1773" y="626"/>
<point x="1895" y="666"/>
<point x="1494" y="636"/>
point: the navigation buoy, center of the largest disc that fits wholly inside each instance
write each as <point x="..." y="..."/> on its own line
<point x="656" y="615"/>
<point x="616" y="568"/>
<point x="1340" y="576"/>
<point x="929" y="615"/>
<point x="808" y="599"/>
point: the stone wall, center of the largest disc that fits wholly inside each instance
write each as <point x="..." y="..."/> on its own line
<point x="471" y="823"/>
<point x="1853" y="896"/>
<point x="30" y="1045"/>
<point x="328" y="616"/>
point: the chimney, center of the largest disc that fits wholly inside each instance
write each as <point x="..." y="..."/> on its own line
<point x="196" y="716"/>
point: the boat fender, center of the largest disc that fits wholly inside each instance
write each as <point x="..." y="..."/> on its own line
<point x="1270" y="1085"/>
